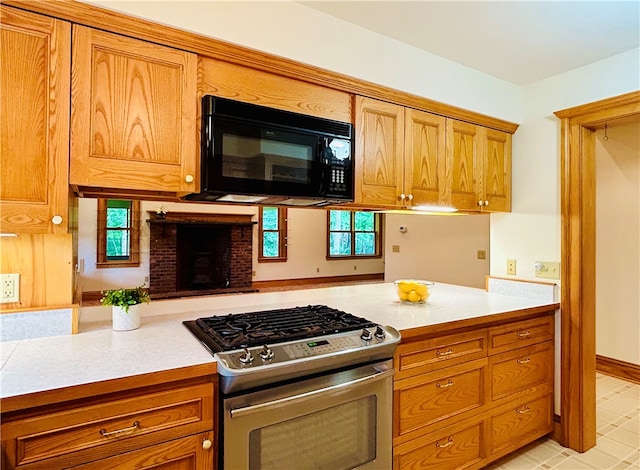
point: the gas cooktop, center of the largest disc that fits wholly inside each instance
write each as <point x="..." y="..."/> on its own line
<point x="242" y="330"/>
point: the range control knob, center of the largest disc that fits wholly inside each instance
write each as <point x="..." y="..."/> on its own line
<point x="366" y="335"/>
<point x="246" y="357"/>
<point x="267" y="353"/>
<point x="380" y="333"/>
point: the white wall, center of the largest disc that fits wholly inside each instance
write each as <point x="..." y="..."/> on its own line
<point x="618" y="243"/>
<point x="437" y="248"/>
<point x="306" y="251"/>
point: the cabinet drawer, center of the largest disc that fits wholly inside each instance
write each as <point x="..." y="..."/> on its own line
<point x="520" y="334"/>
<point x="518" y="370"/>
<point x="184" y="453"/>
<point x="422" y="401"/>
<point x="87" y="433"/>
<point x="520" y="423"/>
<point x="452" y="450"/>
<point x="435" y="353"/>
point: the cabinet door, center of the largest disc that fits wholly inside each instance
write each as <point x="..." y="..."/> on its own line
<point x="189" y="453"/>
<point x="424" y="141"/>
<point x="496" y="184"/>
<point x="34" y="85"/>
<point x="464" y="169"/>
<point x="133" y="114"/>
<point x="379" y="152"/>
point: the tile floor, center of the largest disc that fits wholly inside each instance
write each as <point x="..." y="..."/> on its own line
<point x="617" y="436"/>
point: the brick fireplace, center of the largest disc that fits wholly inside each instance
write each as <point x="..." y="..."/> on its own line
<point x="199" y="254"/>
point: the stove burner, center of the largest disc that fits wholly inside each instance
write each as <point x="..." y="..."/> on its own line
<point x="235" y="331"/>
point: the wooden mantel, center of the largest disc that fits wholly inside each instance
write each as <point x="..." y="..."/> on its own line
<point x="200" y="218"/>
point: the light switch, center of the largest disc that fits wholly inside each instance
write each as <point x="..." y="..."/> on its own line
<point x="547" y="269"/>
<point x="395" y="248"/>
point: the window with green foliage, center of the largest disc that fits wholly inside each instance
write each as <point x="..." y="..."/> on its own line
<point x="353" y="234"/>
<point x="273" y="234"/>
<point x="118" y="233"/>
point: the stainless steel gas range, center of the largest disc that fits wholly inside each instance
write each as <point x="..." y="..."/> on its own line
<point x="307" y="387"/>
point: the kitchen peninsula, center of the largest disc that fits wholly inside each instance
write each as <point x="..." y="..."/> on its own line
<point x="461" y="335"/>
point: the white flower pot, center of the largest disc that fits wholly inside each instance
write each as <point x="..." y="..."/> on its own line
<point x="124" y="321"/>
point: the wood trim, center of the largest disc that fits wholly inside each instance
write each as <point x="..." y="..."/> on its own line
<point x="486" y="281"/>
<point x="312" y="281"/>
<point x="98" y="389"/>
<point x="201" y="218"/>
<point x="619" y="369"/>
<point x="39" y="309"/>
<point x="578" y="359"/>
<point x="111" y="21"/>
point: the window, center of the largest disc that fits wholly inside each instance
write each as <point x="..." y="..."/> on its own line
<point x="353" y="234"/>
<point x="118" y="233"/>
<point x="273" y="234"/>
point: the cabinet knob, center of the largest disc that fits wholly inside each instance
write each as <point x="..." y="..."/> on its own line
<point x="189" y="178"/>
<point x="56" y="220"/>
<point x="206" y="444"/>
<point x="410" y="197"/>
<point x="486" y="203"/>
<point x="480" y="203"/>
<point x="403" y="196"/>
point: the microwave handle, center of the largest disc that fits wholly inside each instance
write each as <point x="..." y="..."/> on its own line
<point x="208" y="130"/>
<point x="323" y="145"/>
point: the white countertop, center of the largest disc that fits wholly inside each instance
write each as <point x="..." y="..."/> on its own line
<point x="97" y="353"/>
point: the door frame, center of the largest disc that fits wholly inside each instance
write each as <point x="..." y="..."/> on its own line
<point x="578" y="277"/>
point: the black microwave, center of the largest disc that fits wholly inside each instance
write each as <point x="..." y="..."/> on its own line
<point x="257" y="154"/>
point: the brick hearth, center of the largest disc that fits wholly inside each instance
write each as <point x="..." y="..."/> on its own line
<point x="199" y="254"/>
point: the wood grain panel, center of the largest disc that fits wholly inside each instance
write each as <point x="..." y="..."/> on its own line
<point x="431" y="354"/>
<point x="77" y="435"/>
<point x="424" y="157"/>
<point x="520" y="334"/>
<point x="134" y="108"/>
<point x="463" y="170"/>
<point x="240" y="83"/>
<point x="518" y="370"/>
<point x="186" y="453"/>
<point x="496" y="182"/>
<point x="34" y="153"/>
<point x="379" y="152"/>
<point x="44" y="264"/>
<point x="520" y="423"/>
<point x="457" y="449"/>
<point x="427" y="399"/>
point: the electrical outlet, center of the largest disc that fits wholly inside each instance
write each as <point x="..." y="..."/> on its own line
<point x="10" y="288"/>
<point x="547" y="269"/>
<point x="481" y="254"/>
<point x="511" y="267"/>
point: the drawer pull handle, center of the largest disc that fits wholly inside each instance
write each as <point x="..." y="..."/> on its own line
<point x="524" y="334"/>
<point x="446" y="444"/>
<point x="524" y="410"/>
<point x="444" y="353"/>
<point x="448" y="384"/>
<point x="104" y="433"/>
<point x="523" y="361"/>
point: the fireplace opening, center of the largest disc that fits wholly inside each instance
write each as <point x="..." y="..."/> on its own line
<point x="200" y="254"/>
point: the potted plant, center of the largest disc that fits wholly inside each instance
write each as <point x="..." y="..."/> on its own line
<point x="125" y="306"/>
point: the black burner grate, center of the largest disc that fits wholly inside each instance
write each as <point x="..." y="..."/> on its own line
<point x="234" y="331"/>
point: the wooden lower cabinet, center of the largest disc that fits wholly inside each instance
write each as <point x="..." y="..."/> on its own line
<point x="473" y="396"/>
<point x="164" y="427"/>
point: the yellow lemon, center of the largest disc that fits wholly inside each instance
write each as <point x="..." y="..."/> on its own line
<point x="422" y="290"/>
<point x="402" y="295"/>
<point x="413" y="296"/>
<point x="405" y="286"/>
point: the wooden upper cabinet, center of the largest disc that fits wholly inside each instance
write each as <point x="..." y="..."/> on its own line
<point x="478" y="167"/>
<point x="497" y="171"/>
<point x="424" y="142"/>
<point x="379" y="156"/>
<point x="464" y="167"/>
<point x="34" y="156"/>
<point x="133" y="114"/>
<point x="399" y="155"/>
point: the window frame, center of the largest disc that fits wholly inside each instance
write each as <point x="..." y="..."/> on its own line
<point x="378" y="222"/>
<point x="134" y="237"/>
<point x="282" y="238"/>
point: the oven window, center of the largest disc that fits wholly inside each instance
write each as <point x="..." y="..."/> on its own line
<point x="337" y="438"/>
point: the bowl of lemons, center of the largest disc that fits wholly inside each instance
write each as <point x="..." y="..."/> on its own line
<point x="413" y="291"/>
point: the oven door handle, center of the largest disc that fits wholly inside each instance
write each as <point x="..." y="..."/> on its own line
<point x="310" y="395"/>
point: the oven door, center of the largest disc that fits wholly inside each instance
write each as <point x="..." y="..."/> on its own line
<point x="339" y="421"/>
